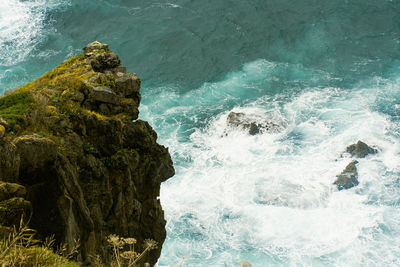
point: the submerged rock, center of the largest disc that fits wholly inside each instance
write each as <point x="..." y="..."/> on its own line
<point x="360" y="150"/>
<point x="239" y="119"/>
<point x="75" y="161"/>
<point x="348" y="178"/>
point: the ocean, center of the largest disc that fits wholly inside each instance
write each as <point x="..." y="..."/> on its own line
<point x="327" y="72"/>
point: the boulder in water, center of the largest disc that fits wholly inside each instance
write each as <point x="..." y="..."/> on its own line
<point x="348" y="178"/>
<point x="360" y="150"/>
<point x="239" y="119"/>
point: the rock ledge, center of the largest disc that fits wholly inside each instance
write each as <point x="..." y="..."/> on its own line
<point x="76" y="164"/>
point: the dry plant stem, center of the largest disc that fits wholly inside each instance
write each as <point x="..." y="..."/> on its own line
<point x="116" y="253"/>
<point x="141" y="255"/>
<point x="23" y="234"/>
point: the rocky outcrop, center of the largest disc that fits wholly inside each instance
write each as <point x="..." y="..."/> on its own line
<point x="360" y="150"/>
<point x="13" y="205"/>
<point x="76" y="162"/>
<point x="239" y="119"/>
<point x="348" y="178"/>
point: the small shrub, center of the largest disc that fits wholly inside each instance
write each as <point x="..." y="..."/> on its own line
<point x="14" y="106"/>
<point x="20" y="248"/>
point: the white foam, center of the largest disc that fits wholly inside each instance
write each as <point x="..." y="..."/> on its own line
<point x="271" y="197"/>
<point x="21" y="27"/>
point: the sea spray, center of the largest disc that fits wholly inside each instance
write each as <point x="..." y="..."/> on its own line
<point x="24" y="27"/>
<point x="270" y="198"/>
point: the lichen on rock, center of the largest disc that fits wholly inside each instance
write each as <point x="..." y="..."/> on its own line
<point x="72" y="141"/>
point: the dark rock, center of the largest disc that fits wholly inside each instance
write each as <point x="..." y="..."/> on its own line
<point x="127" y="84"/>
<point x="92" y="171"/>
<point x="37" y="156"/>
<point x="13" y="210"/>
<point x="103" y="94"/>
<point x="360" y="150"/>
<point x="10" y="190"/>
<point x="104" y="61"/>
<point x="9" y="161"/>
<point x="254" y="127"/>
<point x="348" y="178"/>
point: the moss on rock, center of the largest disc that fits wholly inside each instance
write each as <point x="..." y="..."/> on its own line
<point x="71" y="140"/>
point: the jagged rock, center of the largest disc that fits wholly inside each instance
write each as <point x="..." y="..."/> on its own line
<point x="104" y="61"/>
<point x="242" y="120"/>
<point x="360" y="150"/>
<point x="90" y="170"/>
<point x="127" y="85"/>
<point x="348" y="178"/>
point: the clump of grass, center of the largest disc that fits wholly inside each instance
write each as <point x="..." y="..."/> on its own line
<point x="20" y="248"/>
<point x="124" y="253"/>
<point x="13" y="107"/>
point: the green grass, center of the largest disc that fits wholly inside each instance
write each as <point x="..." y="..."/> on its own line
<point x="14" y="106"/>
<point x="20" y="248"/>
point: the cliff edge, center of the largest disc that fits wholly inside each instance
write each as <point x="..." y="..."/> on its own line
<point x="76" y="163"/>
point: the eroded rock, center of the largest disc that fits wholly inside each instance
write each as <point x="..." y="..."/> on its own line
<point x="104" y="61"/>
<point x="37" y="156"/>
<point x="89" y="170"/>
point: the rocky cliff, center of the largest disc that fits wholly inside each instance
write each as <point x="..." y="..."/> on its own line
<point x="76" y="162"/>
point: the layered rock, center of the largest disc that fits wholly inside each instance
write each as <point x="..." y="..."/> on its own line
<point x="80" y="162"/>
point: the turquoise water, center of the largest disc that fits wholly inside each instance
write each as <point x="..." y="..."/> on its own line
<point x="327" y="71"/>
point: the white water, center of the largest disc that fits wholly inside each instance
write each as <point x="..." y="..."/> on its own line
<point x="22" y="27"/>
<point x="269" y="198"/>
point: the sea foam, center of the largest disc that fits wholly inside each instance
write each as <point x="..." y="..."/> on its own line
<point x="270" y="198"/>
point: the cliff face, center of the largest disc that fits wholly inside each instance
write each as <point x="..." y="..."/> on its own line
<point x="77" y="162"/>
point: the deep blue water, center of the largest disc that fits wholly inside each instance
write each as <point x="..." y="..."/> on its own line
<point x="328" y="71"/>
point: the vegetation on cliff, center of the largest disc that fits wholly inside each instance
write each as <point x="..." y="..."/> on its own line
<point x="75" y="161"/>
